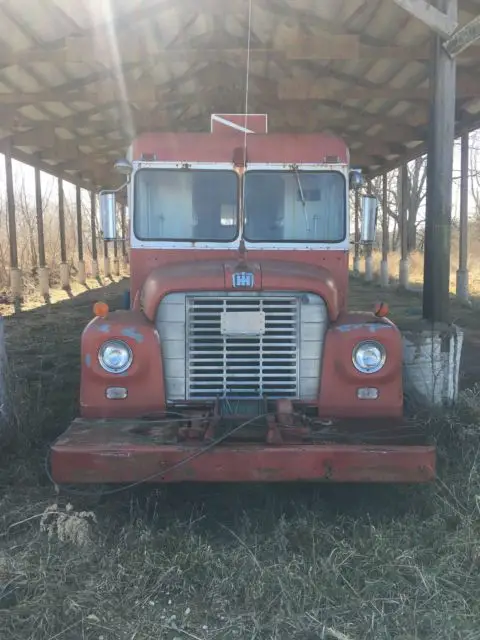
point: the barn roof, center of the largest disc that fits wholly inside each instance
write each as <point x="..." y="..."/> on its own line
<point x="78" y="80"/>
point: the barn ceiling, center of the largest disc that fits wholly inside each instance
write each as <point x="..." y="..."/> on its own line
<point x="78" y="80"/>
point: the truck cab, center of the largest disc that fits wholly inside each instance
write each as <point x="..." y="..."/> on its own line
<point x="238" y="359"/>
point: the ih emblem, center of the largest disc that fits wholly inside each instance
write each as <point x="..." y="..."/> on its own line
<point x="243" y="279"/>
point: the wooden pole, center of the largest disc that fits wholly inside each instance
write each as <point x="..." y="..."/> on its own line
<point x="39" y="206"/>
<point x="356" y="259"/>
<point x="402" y="214"/>
<point x="124" y="234"/>
<point x="15" y="273"/>
<point x="368" y="252"/>
<point x="462" y="272"/>
<point x="79" y="223"/>
<point x="116" y="262"/>
<point x="64" y="272"/>
<point x="385" y="236"/>
<point x="106" y="260"/>
<point x="436" y="290"/>
<point x="93" y="223"/>
<point x="81" y="262"/>
<point x="43" y="276"/>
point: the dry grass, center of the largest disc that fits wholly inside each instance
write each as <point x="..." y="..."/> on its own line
<point x="224" y="563"/>
<point x="415" y="262"/>
<point x="33" y="300"/>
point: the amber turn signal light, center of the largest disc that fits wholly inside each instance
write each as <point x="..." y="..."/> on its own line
<point x="100" y="309"/>
<point x="381" y="309"/>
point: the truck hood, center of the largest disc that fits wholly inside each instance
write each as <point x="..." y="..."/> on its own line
<point x="218" y="275"/>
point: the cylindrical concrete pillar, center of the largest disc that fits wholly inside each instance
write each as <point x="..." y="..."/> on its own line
<point x="106" y="266"/>
<point x="403" y="273"/>
<point x="384" y="279"/>
<point x="64" y="275"/>
<point x="16" y="282"/>
<point x="356" y="266"/>
<point x="369" y="268"/>
<point x="44" y="281"/>
<point x="82" y="278"/>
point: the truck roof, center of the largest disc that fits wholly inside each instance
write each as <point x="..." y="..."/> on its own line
<point x="283" y="148"/>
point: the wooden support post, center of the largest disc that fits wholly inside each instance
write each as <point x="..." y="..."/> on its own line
<point x="116" y="262"/>
<point x="43" y="275"/>
<point x="82" y="279"/>
<point x="402" y="219"/>
<point x="384" y="279"/>
<point x="64" y="271"/>
<point x="124" y="235"/>
<point x="93" y="222"/>
<point x="368" y="252"/>
<point x="106" y="260"/>
<point x="436" y="290"/>
<point x="462" y="272"/>
<point x="356" y="259"/>
<point x="15" y="272"/>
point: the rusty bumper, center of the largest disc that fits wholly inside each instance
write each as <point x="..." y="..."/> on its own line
<point x="111" y="451"/>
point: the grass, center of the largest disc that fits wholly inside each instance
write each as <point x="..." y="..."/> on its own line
<point x="221" y="563"/>
<point x="415" y="261"/>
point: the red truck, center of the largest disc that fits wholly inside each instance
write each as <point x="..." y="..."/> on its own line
<point x="235" y="358"/>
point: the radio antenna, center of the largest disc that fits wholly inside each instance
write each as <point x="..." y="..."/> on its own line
<point x="247" y="80"/>
<point x="242" y="245"/>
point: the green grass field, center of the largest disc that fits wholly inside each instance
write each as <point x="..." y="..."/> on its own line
<point x="289" y="562"/>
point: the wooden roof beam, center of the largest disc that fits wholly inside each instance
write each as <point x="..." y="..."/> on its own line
<point x="438" y="21"/>
<point x="467" y="124"/>
<point x="143" y="91"/>
<point x="33" y="161"/>
<point x="467" y="86"/>
<point x="463" y="38"/>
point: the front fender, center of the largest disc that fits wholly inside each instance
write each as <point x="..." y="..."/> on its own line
<point x="340" y="380"/>
<point x="144" y="379"/>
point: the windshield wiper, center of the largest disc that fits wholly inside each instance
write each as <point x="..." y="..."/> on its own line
<point x="304" y="202"/>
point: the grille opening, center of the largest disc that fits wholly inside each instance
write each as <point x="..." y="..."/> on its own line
<point x="264" y="365"/>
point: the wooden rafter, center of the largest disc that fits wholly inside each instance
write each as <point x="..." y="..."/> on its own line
<point x="465" y="37"/>
<point x="313" y="67"/>
<point x="437" y="20"/>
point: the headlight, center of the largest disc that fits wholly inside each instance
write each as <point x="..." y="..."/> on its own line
<point x="115" y="356"/>
<point x="369" y="356"/>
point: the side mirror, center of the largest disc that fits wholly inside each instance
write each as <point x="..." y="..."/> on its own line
<point x="123" y="166"/>
<point x="369" y="219"/>
<point x="108" y="216"/>
<point x="355" y="179"/>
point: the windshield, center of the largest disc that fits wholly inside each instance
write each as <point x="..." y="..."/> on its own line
<point x="177" y="204"/>
<point x="295" y="206"/>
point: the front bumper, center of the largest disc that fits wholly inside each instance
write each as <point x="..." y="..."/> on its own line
<point x="125" y="451"/>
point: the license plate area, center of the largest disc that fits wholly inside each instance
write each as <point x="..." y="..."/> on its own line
<point x="242" y="323"/>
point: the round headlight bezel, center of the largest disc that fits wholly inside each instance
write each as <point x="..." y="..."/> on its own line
<point x="119" y="344"/>
<point x="376" y="345"/>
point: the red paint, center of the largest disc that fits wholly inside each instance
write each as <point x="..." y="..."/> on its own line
<point x="144" y="379"/>
<point x="340" y="380"/>
<point x="205" y="269"/>
<point x="261" y="148"/>
<point x="288" y="449"/>
<point x="215" y="275"/>
<point x="107" y="453"/>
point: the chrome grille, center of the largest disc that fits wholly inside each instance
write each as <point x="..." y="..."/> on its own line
<point x="194" y="350"/>
<point x="242" y="366"/>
